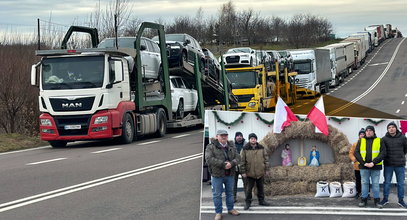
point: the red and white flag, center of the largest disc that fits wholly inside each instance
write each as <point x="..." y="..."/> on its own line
<point x="283" y="116"/>
<point x="318" y="118"/>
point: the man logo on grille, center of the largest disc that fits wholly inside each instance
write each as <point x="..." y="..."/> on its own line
<point x="72" y="105"/>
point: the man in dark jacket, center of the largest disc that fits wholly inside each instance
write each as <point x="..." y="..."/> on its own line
<point x="240" y="142"/>
<point x="222" y="159"/>
<point x="254" y="165"/>
<point x="370" y="152"/>
<point x="395" y="161"/>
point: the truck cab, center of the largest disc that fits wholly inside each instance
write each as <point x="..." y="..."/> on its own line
<point x="304" y="65"/>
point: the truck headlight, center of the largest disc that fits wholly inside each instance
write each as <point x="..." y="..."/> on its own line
<point x="251" y="104"/>
<point x="101" y="119"/>
<point x="46" y="122"/>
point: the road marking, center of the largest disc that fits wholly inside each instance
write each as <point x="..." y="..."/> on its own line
<point x="19" y="151"/>
<point x="377" y="64"/>
<point x="372" y="86"/>
<point x="47" y="161"/>
<point x="315" y="210"/>
<point x="86" y="185"/>
<point x="182" y="135"/>
<point x="402" y="102"/>
<point x="108" y="150"/>
<point x="150" y="142"/>
<point x="398" y="110"/>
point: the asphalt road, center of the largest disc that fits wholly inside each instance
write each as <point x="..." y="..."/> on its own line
<point x="100" y="180"/>
<point x="377" y="89"/>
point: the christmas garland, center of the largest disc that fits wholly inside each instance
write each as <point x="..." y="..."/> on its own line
<point x="229" y="123"/>
<point x="300" y="119"/>
<point x="339" y="120"/>
<point x="374" y="122"/>
<point x="264" y="120"/>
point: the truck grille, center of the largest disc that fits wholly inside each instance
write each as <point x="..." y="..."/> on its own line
<point x="302" y="83"/>
<point x="79" y="104"/>
<point x="83" y="120"/>
<point x="244" y="98"/>
<point x="233" y="59"/>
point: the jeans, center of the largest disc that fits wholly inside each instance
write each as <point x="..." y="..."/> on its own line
<point x="217" y="189"/>
<point x="400" y="176"/>
<point x="249" y="188"/>
<point x="366" y="175"/>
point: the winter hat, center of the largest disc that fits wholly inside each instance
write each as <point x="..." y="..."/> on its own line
<point x="371" y="128"/>
<point x="252" y="135"/>
<point x="238" y="134"/>
<point x="362" y="130"/>
<point x="392" y="123"/>
<point x="221" y="132"/>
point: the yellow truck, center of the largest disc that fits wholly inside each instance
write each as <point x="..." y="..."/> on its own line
<point x="257" y="90"/>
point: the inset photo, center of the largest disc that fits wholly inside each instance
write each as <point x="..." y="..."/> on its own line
<point x="268" y="165"/>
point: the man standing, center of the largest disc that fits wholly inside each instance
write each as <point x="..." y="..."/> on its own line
<point x="222" y="159"/>
<point x="370" y="152"/>
<point x="356" y="163"/>
<point x="254" y="165"/>
<point x="394" y="161"/>
<point x="240" y="142"/>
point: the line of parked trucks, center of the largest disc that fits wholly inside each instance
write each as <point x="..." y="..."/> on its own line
<point x="126" y="87"/>
<point x="309" y="71"/>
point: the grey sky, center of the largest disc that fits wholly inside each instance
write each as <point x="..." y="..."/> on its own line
<point x="347" y="16"/>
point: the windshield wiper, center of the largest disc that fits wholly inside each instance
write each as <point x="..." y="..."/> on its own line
<point x="60" y="86"/>
<point x="89" y="84"/>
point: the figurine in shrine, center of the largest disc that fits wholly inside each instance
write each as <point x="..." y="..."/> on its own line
<point x="286" y="155"/>
<point x="314" y="157"/>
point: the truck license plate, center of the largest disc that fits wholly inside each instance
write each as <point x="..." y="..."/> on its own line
<point x="72" y="127"/>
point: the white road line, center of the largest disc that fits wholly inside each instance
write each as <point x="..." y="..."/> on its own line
<point x="405" y="95"/>
<point x="150" y="142"/>
<point x="82" y="186"/>
<point x="398" y="110"/>
<point x="47" y="161"/>
<point x="402" y="102"/>
<point x="377" y="64"/>
<point x="182" y="135"/>
<point x="20" y="151"/>
<point x="108" y="150"/>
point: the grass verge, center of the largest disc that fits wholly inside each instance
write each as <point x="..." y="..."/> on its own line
<point x="12" y="142"/>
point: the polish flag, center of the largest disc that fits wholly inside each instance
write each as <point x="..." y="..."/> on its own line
<point x="318" y="118"/>
<point x="283" y="116"/>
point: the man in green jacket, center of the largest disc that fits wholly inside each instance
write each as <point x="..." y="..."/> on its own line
<point x="222" y="159"/>
<point x="254" y="165"/>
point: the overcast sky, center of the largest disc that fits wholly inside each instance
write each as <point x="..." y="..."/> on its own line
<point x="346" y="16"/>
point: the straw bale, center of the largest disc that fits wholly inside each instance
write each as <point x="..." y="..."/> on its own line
<point x="286" y="188"/>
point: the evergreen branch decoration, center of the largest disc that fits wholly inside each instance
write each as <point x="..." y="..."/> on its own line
<point x="339" y="120"/>
<point x="374" y="122"/>
<point x="229" y="123"/>
<point x="264" y="120"/>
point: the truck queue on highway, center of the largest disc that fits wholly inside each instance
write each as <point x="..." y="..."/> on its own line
<point x="129" y="87"/>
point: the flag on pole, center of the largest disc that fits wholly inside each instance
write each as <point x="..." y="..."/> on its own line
<point x="283" y="116"/>
<point x="318" y="118"/>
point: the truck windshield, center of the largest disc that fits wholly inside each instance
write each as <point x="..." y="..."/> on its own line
<point x="72" y="72"/>
<point x="241" y="80"/>
<point x="302" y="67"/>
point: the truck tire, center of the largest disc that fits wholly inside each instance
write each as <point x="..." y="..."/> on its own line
<point x="162" y="123"/>
<point x="127" y="129"/>
<point x="180" y="110"/>
<point x="57" y="144"/>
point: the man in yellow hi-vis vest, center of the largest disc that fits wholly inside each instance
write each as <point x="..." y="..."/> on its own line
<point x="370" y="152"/>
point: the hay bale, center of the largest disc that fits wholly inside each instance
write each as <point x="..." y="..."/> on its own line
<point x="286" y="188"/>
<point x="278" y="173"/>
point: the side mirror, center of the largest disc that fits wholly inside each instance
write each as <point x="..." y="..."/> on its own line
<point x="187" y="41"/>
<point x="252" y="51"/>
<point x="143" y="47"/>
<point x="118" y="71"/>
<point x="34" y="74"/>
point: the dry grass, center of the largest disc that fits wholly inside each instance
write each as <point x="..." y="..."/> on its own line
<point x="11" y="142"/>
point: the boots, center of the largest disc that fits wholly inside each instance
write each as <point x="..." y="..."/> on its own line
<point x="264" y="203"/>
<point x="247" y="206"/>
<point x="377" y="203"/>
<point x="363" y="202"/>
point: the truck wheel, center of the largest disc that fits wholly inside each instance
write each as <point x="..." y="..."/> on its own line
<point x="180" y="111"/>
<point x="127" y="129"/>
<point x="57" y="144"/>
<point x="162" y="123"/>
